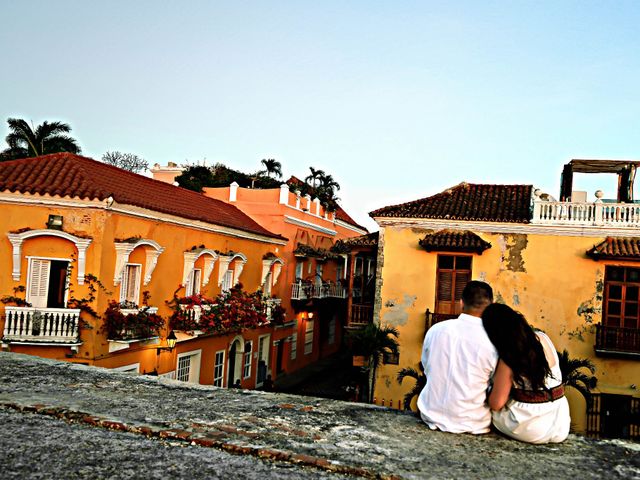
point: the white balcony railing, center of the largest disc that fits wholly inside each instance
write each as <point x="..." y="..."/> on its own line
<point x="299" y="291"/>
<point x="45" y="325"/>
<point x="335" y="290"/>
<point x="129" y="311"/>
<point x="304" y="291"/>
<point x="270" y="304"/>
<point x="594" y="214"/>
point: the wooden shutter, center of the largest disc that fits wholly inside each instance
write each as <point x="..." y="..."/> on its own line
<point x="38" y="282"/>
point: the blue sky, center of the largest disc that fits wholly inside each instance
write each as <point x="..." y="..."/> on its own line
<point x="397" y="100"/>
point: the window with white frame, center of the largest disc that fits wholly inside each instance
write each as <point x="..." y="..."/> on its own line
<point x="308" y="337"/>
<point x="47" y="284"/>
<point x="339" y="272"/>
<point x="130" y="283"/>
<point x="331" y="338"/>
<point x="184" y="369"/>
<point x="294" y="341"/>
<point x="227" y="281"/>
<point x="248" y="352"/>
<point x="319" y="268"/>
<point x="188" y="367"/>
<point x="132" y="368"/>
<point x="299" y="269"/>
<point x="193" y="283"/>
<point x="218" y="369"/>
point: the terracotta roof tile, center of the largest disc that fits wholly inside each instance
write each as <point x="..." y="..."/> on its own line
<point x="368" y="240"/>
<point x="69" y="175"/>
<point x="616" y="247"/>
<point x="454" y="240"/>
<point x="469" y="201"/>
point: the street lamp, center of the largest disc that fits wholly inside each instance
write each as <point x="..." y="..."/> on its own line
<point x="171" y="343"/>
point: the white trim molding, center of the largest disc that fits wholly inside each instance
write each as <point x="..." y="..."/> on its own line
<point x="17" y="239"/>
<point x="277" y="264"/>
<point x="21" y="198"/>
<point x="225" y="261"/>
<point x="124" y="249"/>
<point x="504" y="227"/>
<point x="348" y="226"/>
<point x="303" y="223"/>
<point x="190" y="259"/>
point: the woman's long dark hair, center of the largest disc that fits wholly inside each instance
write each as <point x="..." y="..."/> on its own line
<point x="517" y="344"/>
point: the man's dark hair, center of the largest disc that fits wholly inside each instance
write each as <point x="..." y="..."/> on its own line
<point x="477" y="294"/>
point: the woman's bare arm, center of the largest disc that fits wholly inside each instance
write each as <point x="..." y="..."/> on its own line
<point x="502" y="383"/>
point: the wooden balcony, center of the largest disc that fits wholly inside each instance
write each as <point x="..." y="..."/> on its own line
<point x="361" y="315"/>
<point x="41" y="325"/>
<point x="432" y="318"/>
<point x="617" y="341"/>
<point x="586" y="214"/>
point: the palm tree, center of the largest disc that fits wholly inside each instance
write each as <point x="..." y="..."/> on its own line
<point x="574" y="376"/>
<point x="421" y="381"/>
<point x="329" y="184"/>
<point x="372" y="342"/>
<point x="314" y="177"/>
<point x="48" y="137"/>
<point x="272" y="166"/>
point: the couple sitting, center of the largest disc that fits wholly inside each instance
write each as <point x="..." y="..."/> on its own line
<point x="488" y="344"/>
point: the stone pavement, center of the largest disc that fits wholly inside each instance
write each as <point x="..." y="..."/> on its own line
<point x="179" y="424"/>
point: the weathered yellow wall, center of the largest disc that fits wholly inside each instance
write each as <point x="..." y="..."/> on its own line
<point x="548" y="278"/>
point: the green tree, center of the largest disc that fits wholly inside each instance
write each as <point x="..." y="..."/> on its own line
<point x="574" y="375"/>
<point x="372" y="342"/>
<point x="315" y="177"/>
<point x="272" y="166"/>
<point x="26" y="142"/>
<point x="195" y="177"/>
<point x="421" y="381"/>
<point x="126" y="161"/>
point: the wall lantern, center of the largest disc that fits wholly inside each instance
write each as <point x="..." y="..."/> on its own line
<point x="171" y="343"/>
<point x="54" y="222"/>
<point x="310" y="315"/>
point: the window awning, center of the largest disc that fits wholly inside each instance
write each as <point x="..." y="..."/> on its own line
<point x="454" y="240"/>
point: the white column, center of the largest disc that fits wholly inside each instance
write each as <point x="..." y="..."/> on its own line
<point x="297" y="192"/>
<point x="317" y="202"/>
<point x="82" y="259"/>
<point x="308" y="199"/>
<point x="16" y="241"/>
<point x="284" y="194"/>
<point x="233" y="191"/>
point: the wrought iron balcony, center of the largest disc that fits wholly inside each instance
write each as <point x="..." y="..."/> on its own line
<point x="41" y="325"/>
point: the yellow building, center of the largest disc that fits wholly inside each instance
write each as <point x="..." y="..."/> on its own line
<point x="82" y="241"/>
<point x="571" y="267"/>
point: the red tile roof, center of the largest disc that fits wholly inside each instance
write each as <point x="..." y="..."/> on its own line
<point x="368" y="240"/>
<point x="454" y="240"/>
<point x="616" y="247"/>
<point x="469" y="201"/>
<point x="69" y="175"/>
<point x="340" y="213"/>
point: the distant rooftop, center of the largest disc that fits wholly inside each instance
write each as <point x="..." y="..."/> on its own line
<point x="468" y="201"/>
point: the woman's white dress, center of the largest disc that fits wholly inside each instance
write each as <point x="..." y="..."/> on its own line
<point x="547" y="422"/>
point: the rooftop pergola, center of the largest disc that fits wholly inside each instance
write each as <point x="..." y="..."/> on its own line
<point x="625" y="169"/>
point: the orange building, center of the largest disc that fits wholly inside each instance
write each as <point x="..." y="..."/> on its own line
<point x="313" y="283"/>
<point x="97" y="259"/>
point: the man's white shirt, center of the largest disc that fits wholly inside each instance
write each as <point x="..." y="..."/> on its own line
<point x="458" y="359"/>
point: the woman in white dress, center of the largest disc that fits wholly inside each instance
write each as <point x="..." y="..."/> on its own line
<point x="527" y="399"/>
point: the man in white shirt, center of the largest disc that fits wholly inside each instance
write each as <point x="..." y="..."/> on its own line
<point x="459" y="360"/>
